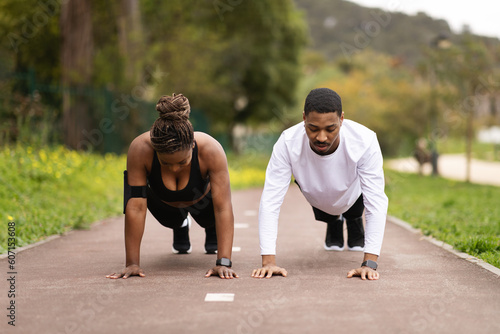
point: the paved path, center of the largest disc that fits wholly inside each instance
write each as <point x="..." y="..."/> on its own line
<point x="61" y="285"/>
<point x="453" y="166"/>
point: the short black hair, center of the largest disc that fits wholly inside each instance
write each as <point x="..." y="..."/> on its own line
<point x="323" y="100"/>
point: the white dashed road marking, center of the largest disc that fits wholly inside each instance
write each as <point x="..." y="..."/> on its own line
<point x="219" y="297"/>
<point x="250" y="213"/>
<point x="236" y="249"/>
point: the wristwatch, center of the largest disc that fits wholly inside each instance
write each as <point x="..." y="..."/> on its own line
<point x="370" y="264"/>
<point x="223" y="262"/>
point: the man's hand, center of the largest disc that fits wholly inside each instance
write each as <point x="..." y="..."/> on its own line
<point x="222" y="272"/>
<point x="131" y="270"/>
<point x="268" y="271"/>
<point x="269" y="268"/>
<point x="364" y="273"/>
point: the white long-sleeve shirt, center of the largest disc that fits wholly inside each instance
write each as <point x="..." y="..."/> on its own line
<point x="331" y="183"/>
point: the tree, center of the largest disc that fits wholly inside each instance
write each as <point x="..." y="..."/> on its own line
<point x="130" y="37"/>
<point x="386" y="98"/>
<point x="217" y="53"/>
<point x="465" y="65"/>
<point x="77" y="68"/>
<point x="238" y="61"/>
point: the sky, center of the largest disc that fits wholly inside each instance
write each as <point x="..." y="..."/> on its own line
<point x="480" y="15"/>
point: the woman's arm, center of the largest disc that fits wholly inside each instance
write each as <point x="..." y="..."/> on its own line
<point x="135" y="211"/>
<point x="216" y="162"/>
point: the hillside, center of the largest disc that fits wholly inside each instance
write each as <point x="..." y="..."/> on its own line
<point x="338" y="28"/>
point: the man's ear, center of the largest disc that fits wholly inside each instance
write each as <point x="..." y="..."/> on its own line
<point x="304" y="116"/>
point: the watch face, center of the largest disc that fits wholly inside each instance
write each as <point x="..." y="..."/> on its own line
<point x="223" y="262"/>
<point x="370" y="263"/>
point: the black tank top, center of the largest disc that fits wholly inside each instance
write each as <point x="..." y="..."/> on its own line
<point x="192" y="191"/>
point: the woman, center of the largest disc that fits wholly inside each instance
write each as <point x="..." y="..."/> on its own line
<point x="173" y="171"/>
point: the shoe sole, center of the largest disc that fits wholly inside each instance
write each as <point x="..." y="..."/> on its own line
<point x="356" y="249"/>
<point x="333" y="248"/>
<point x="175" y="251"/>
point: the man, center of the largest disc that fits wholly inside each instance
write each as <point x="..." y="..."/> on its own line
<point x="337" y="164"/>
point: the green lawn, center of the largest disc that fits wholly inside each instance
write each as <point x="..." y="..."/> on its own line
<point x="466" y="216"/>
<point x="481" y="151"/>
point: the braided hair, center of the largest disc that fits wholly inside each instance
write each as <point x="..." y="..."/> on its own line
<point x="172" y="131"/>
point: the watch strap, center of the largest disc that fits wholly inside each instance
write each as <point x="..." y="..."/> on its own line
<point x="370" y="264"/>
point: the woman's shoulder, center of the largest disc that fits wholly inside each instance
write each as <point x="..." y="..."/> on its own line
<point x="141" y="148"/>
<point x="205" y="141"/>
<point x="208" y="147"/>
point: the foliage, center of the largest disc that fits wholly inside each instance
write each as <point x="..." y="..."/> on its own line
<point x="385" y="98"/>
<point x="214" y="52"/>
<point x="463" y="215"/>
<point x="247" y="170"/>
<point x="52" y="190"/>
<point x="31" y="30"/>
<point x="237" y="61"/>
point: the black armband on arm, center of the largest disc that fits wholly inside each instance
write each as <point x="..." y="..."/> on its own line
<point x="132" y="191"/>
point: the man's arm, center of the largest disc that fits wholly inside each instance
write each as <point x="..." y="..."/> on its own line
<point x="371" y="174"/>
<point x="278" y="176"/>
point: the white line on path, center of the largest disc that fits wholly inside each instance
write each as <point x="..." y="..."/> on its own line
<point x="236" y="249"/>
<point x="219" y="297"/>
<point x="241" y="225"/>
<point x="250" y="213"/>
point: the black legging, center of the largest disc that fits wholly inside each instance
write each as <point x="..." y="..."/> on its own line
<point x="172" y="217"/>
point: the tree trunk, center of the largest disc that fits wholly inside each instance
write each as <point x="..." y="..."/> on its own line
<point x="130" y="37"/>
<point x="76" y="62"/>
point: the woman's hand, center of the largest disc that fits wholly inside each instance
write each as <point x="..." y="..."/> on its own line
<point x="131" y="270"/>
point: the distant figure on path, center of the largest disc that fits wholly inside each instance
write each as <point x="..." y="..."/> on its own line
<point x="173" y="171"/>
<point x="337" y="164"/>
<point x="422" y="154"/>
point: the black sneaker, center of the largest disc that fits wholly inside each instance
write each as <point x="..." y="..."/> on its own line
<point x="181" y="243"/>
<point x="210" y="240"/>
<point x="334" y="240"/>
<point x="355" y="235"/>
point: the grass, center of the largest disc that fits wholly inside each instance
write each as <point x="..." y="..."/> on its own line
<point x="481" y="151"/>
<point x="466" y="216"/>
<point x="247" y="171"/>
<point x="53" y="190"/>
